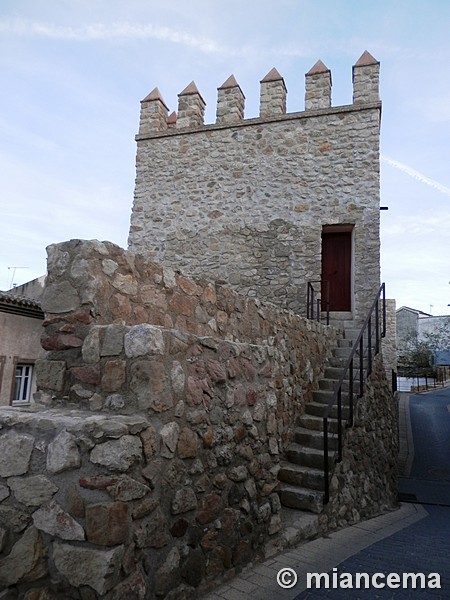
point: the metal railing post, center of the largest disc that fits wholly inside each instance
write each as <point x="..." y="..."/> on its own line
<point x="325" y="461"/>
<point x="339" y="416"/>
<point x="350" y="396"/>
<point x="361" y="366"/>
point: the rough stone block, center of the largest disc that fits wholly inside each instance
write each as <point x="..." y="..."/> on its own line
<point x="59" y="298"/>
<point x="63" y="453"/>
<point x="26" y="561"/>
<point x="118" y="455"/>
<point x="82" y="566"/>
<point x="50" y="374"/>
<point x="107" y="524"/>
<point x="143" y="339"/>
<point x="52" y="519"/>
<point x="15" y="453"/>
<point x="32" y="491"/>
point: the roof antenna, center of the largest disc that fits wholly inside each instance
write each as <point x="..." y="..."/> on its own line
<point x="12" y="284"/>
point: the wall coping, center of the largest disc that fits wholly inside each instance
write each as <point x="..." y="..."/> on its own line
<point x="320" y="112"/>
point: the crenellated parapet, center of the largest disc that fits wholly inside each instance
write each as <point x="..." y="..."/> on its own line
<point x="366" y="74"/>
<point x="273" y="95"/>
<point x="153" y="113"/>
<point x="230" y="102"/>
<point x="318" y="87"/>
<point x="191" y="107"/>
<point x="273" y="92"/>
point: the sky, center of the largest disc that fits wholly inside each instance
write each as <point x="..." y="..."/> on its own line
<point x="73" y="73"/>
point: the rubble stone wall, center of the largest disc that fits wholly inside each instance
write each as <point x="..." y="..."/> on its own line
<point x="364" y="484"/>
<point x="148" y="466"/>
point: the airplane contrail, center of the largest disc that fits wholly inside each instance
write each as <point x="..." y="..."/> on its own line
<point x="416" y="175"/>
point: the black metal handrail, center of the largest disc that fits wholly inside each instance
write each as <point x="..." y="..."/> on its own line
<point x="363" y="348"/>
<point x="314" y="301"/>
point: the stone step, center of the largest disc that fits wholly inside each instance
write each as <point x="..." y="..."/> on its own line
<point x="298" y="475"/>
<point x="318" y="409"/>
<point x="300" y="498"/>
<point x="312" y="438"/>
<point x="307" y="457"/>
<point x="330" y="384"/>
<point x="342" y="352"/>
<point x="344" y="343"/>
<point x="316" y="423"/>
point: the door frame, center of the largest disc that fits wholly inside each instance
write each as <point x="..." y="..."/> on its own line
<point x="343" y="228"/>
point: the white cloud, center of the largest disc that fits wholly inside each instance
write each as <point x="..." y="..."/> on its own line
<point x="111" y="31"/>
<point x="416" y="175"/>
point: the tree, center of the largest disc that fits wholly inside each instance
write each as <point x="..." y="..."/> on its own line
<point x="416" y="353"/>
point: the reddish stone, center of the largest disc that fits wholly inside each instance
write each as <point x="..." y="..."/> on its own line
<point x="243" y="553"/>
<point x="209" y="294"/>
<point x="114" y="375"/>
<point x="120" y="307"/>
<point x="187" y="443"/>
<point x="248" y="369"/>
<point x="240" y="433"/>
<point x="67" y="328"/>
<point x="216" y="563"/>
<point x="81" y="315"/>
<point x="230" y="523"/>
<point x="89" y="375"/>
<point x="266" y="371"/>
<point x="194" y="395"/>
<point x="209" y="508"/>
<point x="179" y="528"/>
<point x="183" y="305"/>
<point x="97" y="482"/>
<point x="150" y="441"/>
<point x="57" y="341"/>
<point x="209" y="540"/>
<point x="216" y="371"/>
<point x="197" y="369"/>
<point x="188" y="286"/>
<point x="107" y="524"/>
<point x="208" y="438"/>
<point x="251" y="397"/>
<point x="240" y="396"/>
<point x="233" y="368"/>
<point x="140" y="315"/>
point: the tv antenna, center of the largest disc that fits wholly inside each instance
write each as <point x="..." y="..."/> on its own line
<point x="14" y="269"/>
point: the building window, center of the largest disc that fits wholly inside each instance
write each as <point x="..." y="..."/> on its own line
<point x="22" y="383"/>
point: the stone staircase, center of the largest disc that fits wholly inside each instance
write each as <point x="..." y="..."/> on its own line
<point x="301" y="474"/>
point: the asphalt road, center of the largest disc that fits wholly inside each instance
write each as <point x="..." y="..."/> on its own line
<point x="423" y="547"/>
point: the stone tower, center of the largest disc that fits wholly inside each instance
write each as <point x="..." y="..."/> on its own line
<point x="270" y="203"/>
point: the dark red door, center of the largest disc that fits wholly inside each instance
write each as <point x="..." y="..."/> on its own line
<point x="336" y="269"/>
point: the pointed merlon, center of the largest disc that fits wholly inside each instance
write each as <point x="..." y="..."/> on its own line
<point x="319" y="67"/>
<point x="272" y="75"/>
<point x="155" y="94"/>
<point x="172" y="118"/>
<point x="229" y="83"/>
<point x="190" y="90"/>
<point x="366" y="59"/>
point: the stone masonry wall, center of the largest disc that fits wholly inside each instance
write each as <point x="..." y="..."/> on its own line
<point x="364" y="484"/>
<point x="92" y="285"/>
<point x="245" y="201"/>
<point x="147" y="468"/>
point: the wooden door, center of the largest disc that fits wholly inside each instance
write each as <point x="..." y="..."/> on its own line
<point x="337" y="269"/>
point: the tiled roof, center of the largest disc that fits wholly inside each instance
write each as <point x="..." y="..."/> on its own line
<point x="20" y="305"/>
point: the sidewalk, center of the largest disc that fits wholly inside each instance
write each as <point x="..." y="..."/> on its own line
<point x="321" y="555"/>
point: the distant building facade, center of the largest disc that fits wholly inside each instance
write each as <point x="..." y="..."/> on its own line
<point x="20" y="333"/>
